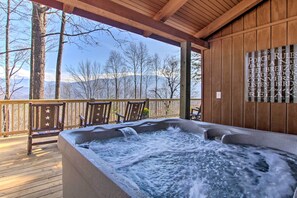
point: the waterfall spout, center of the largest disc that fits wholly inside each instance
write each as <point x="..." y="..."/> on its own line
<point x="130" y="133"/>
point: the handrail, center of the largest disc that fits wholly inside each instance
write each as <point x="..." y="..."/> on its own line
<point x="17" y="111"/>
<point x="17" y="101"/>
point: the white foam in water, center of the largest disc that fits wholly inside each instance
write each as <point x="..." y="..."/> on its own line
<point x="198" y="190"/>
<point x="173" y="163"/>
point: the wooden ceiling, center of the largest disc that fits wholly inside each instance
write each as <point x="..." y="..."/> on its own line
<point x="171" y="21"/>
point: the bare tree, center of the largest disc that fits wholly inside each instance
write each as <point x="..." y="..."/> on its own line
<point x="106" y="82"/>
<point x="131" y="56"/>
<point x="79" y="31"/>
<point x="87" y="79"/>
<point x="127" y="83"/>
<point x="114" y="69"/>
<point x="196" y="67"/>
<point x="171" y="72"/>
<point x="67" y="90"/>
<point x="15" y="56"/>
<point x="49" y="90"/>
<point x="156" y="66"/>
<point x="144" y="61"/>
<point x="14" y="64"/>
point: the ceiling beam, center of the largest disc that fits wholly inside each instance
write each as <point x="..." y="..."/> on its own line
<point x="226" y="18"/>
<point x="68" y="8"/>
<point x="171" y="7"/>
<point x="119" y="13"/>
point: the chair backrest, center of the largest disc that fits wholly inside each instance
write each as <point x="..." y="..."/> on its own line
<point x="97" y="113"/>
<point x="46" y="117"/>
<point x="134" y="111"/>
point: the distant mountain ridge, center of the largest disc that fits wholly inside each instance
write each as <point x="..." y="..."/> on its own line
<point x="23" y="93"/>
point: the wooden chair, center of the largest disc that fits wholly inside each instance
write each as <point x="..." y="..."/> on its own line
<point x="45" y="120"/>
<point x="96" y="113"/>
<point x="134" y="112"/>
<point x="195" y="114"/>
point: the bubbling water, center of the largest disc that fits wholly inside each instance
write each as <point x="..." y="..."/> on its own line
<point x="173" y="163"/>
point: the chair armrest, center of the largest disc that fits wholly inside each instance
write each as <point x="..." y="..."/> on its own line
<point x="119" y="116"/>
<point x="81" y="120"/>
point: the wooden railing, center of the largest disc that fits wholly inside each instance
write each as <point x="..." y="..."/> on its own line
<point x="17" y="112"/>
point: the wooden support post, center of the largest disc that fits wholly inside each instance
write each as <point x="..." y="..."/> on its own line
<point x="185" y="80"/>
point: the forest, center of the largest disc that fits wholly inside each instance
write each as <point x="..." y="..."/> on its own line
<point x="29" y="32"/>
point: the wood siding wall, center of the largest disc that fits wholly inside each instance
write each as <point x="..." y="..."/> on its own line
<point x="272" y="24"/>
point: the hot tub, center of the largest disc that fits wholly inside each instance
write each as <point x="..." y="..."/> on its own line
<point x="86" y="174"/>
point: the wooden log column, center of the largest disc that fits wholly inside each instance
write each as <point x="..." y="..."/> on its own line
<point x="185" y="80"/>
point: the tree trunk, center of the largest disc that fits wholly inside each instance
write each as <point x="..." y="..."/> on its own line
<point x="7" y="71"/>
<point x="7" y="48"/>
<point x="38" y="37"/>
<point x="60" y="55"/>
<point x="140" y="84"/>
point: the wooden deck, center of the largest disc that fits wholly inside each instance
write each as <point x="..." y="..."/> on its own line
<point x="38" y="175"/>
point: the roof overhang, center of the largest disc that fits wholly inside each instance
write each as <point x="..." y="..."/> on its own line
<point x="93" y="10"/>
<point x="119" y="14"/>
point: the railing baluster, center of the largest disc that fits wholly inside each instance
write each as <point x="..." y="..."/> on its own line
<point x="18" y="120"/>
<point x="66" y="116"/>
<point x="24" y="120"/>
<point x="1" y="120"/>
<point x="6" y="123"/>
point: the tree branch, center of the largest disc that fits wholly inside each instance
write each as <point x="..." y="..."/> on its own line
<point x="16" y="50"/>
<point x="78" y="34"/>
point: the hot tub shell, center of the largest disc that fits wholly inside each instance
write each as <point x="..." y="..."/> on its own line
<point x="86" y="175"/>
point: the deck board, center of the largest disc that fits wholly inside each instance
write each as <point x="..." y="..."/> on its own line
<point x="37" y="175"/>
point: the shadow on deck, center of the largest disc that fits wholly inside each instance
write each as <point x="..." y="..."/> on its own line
<point x="37" y="175"/>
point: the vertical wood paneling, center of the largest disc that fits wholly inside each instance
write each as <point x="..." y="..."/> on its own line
<point x="278" y="38"/>
<point x="207" y="117"/>
<point x="250" y="40"/>
<point x="216" y="69"/>
<point x="292" y="5"/>
<point x="292" y="108"/>
<point x="237" y="71"/>
<point x="250" y="19"/>
<point x="278" y="10"/>
<point x="237" y="81"/>
<point x="263" y="109"/>
<point x="237" y="25"/>
<point x="263" y="42"/>
<point x="278" y="110"/>
<point x="227" y="30"/>
<point x="234" y="110"/>
<point x="226" y="116"/>
<point x="263" y="13"/>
